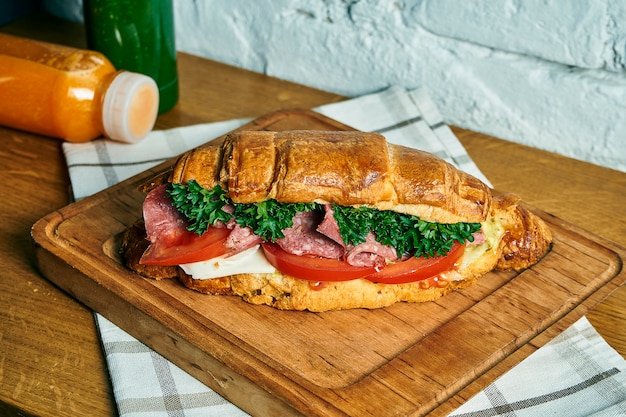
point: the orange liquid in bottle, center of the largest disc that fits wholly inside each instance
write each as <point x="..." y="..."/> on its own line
<point x="58" y="91"/>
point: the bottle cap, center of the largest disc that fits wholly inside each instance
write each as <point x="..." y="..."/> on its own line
<point x="130" y="107"/>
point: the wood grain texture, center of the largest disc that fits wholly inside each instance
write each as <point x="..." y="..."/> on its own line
<point x="48" y="342"/>
<point x="587" y="195"/>
<point x="406" y="357"/>
<point x="51" y="362"/>
<point x="50" y="356"/>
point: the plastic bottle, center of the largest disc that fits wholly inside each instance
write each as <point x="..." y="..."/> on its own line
<point x="72" y="94"/>
<point x="138" y="36"/>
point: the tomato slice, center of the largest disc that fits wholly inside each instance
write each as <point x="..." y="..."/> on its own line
<point x="185" y="247"/>
<point x="321" y="269"/>
<point x="312" y="268"/>
<point x="417" y="269"/>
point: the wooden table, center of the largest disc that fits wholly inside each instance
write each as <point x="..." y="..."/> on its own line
<point x="51" y="362"/>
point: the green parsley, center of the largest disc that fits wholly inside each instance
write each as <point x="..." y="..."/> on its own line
<point x="269" y="218"/>
<point x="204" y="208"/>
<point x="407" y="234"/>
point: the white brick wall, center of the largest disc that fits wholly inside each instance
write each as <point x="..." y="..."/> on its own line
<point x="548" y="74"/>
<point x="583" y="33"/>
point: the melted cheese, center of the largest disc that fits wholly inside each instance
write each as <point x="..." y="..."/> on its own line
<point x="493" y="231"/>
<point x="249" y="261"/>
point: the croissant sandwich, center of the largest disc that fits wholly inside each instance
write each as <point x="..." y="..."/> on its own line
<point x="326" y="220"/>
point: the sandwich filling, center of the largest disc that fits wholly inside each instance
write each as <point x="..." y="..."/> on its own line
<point x="210" y="236"/>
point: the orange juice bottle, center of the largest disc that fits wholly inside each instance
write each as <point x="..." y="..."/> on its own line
<point x="72" y="94"/>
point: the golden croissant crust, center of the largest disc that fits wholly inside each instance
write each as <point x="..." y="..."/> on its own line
<point x="346" y="168"/>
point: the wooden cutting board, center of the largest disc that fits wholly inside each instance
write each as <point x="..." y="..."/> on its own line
<point x="402" y="360"/>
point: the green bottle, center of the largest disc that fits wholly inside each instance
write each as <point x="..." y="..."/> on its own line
<point x="137" y="36"/>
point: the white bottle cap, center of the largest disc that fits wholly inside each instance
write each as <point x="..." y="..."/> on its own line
<point x="130" y="107"/>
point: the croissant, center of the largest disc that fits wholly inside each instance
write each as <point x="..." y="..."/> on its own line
<point x="346" y="168"/>
<point x="349" y="169"/>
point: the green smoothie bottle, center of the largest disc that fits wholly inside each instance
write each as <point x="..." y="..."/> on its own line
<point x="137" y="36"/>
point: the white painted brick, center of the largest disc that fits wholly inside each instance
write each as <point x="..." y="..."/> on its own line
<point x="358" y="47"/>
<point x="365" y="47"/>
<point x="582" y="33"/>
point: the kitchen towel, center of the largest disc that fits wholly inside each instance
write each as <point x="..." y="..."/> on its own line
<point x="146" y="384"/>
<point x="576" y="374"/>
